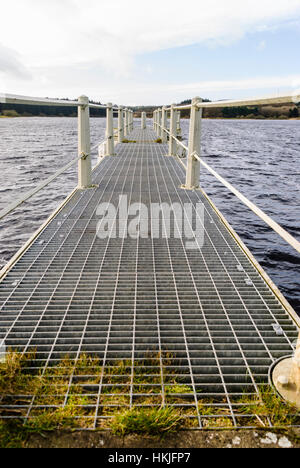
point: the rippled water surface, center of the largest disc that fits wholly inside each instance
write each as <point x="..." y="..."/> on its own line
<point x="260" y="158"/>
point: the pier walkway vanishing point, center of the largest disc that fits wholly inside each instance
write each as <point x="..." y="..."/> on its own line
<point x="191" y="328"/>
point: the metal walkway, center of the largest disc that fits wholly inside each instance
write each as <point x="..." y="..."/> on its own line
<point x="202" y="325"/>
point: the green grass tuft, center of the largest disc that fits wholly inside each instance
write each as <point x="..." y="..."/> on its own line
<point x="152" y="421"/>
<point x="178" y="389"/>
<point x="12" y="434"/>
<point x="13" y="376"/>
<point x="61" y="403"/>
<point x="270" y="406"/>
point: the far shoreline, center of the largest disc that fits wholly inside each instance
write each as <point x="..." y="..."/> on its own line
<point x="182" y="118"/>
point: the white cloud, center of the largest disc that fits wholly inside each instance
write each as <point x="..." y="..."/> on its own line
<point x="262" y="45"/>
<point x="221" y="89"/>
<point x="11" y="65"/>
<point x="73" y="34"/>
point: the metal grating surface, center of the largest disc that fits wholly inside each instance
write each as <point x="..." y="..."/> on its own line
<point x="190" y="328"/>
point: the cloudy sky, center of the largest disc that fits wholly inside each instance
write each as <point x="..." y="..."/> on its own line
<point x="149" y="52"/>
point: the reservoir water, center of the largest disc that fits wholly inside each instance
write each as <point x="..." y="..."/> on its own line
<point x="260" y="158"/>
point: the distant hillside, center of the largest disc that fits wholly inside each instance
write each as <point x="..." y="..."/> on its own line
<point x="242" y="112"/>
<point x="17" y="110"/>
<point x="249" y="112"/>
<point x="256" y="112"/>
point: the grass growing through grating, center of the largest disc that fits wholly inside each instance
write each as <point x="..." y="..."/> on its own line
<point x="13" y="376"/>
<point x="12" y="434"/>
<point x="265" y="410"/>
<point x="141" y="398"/>
<point x="64" y="396"/>
<point x="152" y="421"/>
<point x="269" y="408"/>
<point x="178" y="389"/>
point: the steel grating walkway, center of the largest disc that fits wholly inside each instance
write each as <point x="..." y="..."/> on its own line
<point x="190" y="328"/>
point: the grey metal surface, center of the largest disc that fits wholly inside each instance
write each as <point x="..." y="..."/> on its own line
<point x="198" y="324"/>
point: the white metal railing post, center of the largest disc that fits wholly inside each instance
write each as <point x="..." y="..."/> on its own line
<point x="164" y="124"/>
<point x="131" y="120"/>
<point x="120" y="124"/>
<point x="173" y="133"/>
<point x="110" y="144"/>
<point x="84" y="143"/>
<point x="144" y="123"/>
<point x="295" y="370"/>
<point x="193" y="166"/>
<point x="286" y="377"/>
<point x="178" y="125"/>
<point x="155" y="121"/>
<point x="125" y="122"/>
<point x="159" y="123"/>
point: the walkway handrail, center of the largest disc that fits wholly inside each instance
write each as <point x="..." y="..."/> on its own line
<point x="84" y="146"/>
<point x="261" y="214"/>
<point x="194" y="149"/>
<point x="46" y="182"/>
<point x="259" y="101"/>
<point x="174" y="138"/>
<point x="37" y="189"/>
<point x="36" y="101"/>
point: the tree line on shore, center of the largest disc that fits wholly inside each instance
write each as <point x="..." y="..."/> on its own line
<point x="25" y="110"/>
<point x="278" y="111"/>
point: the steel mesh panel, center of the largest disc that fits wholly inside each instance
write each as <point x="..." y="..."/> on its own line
<point x="193" y="329"/>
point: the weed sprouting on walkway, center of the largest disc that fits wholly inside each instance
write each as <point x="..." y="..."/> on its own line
<point x="155" y="421"/>
<point x="123" y="396"/>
